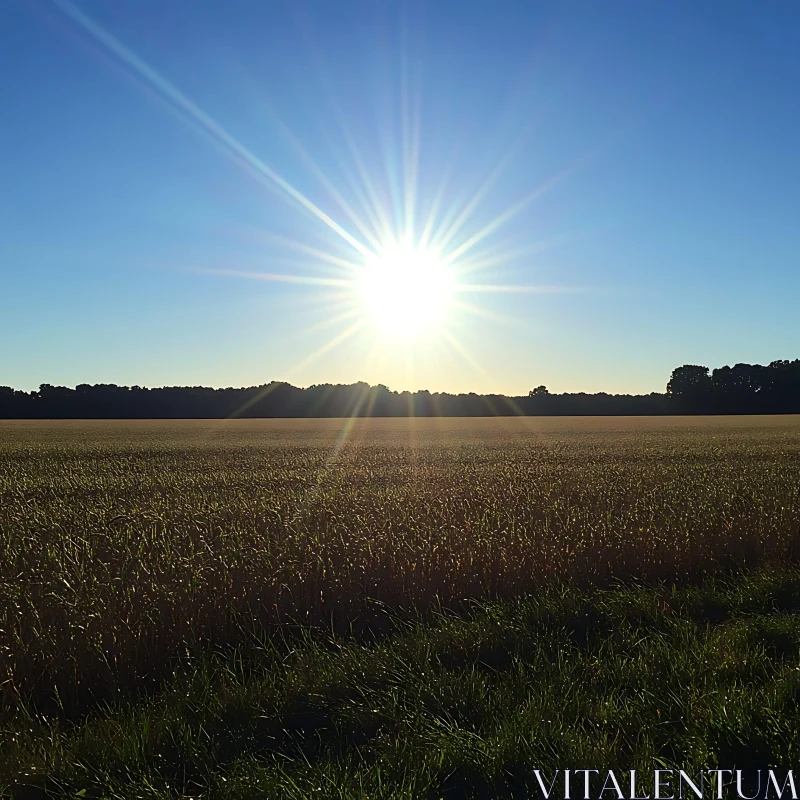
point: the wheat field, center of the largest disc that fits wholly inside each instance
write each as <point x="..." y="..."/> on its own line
<point x="122" y="544"/>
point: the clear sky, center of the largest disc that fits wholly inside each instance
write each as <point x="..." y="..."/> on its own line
<point x="611" y="188"/>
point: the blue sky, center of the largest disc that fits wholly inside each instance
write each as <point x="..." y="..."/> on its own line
<point x="153" y="153"/>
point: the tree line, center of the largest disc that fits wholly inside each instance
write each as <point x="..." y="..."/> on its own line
<point x="741" y="389"/>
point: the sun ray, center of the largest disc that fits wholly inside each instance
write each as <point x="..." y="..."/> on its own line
<point x="504" y="288"/>
<point x="254" y="399"/>
<point x="344" y="432"/>
<point x="330" y="321"/>
<point x="371" y="203"/>
<point x="505" y="216"/>
<point x="406" y="280"/>
<point x="234" y="146"/>
<point x="369" y="235"/>
<point x="308" y="280"/>
<point x="329" y="345"/>
<point x="496" y="257"/>
<point x="443" y="238"/>
<point x="411" y="112"/>
<point x="314" y="252"/>
<point x="332" y="457"/>
<point x="462" y="351"/>
<point x="438" y="199"/>
<point x="484" y="313"/>
<point x="367" y="196"/>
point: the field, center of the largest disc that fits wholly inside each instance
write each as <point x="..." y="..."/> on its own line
<point x="393" y="607"/>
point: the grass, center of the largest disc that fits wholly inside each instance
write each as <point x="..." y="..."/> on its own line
<point x="454" y="706"/>
<point x="396" y="608"/>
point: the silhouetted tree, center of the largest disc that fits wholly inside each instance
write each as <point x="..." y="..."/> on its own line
<point x="689" y="388"/>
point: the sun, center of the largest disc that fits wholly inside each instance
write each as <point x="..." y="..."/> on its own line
<point x="407" y="291"/>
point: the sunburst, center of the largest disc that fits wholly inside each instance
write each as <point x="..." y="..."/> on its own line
<point x="382" y="278"/>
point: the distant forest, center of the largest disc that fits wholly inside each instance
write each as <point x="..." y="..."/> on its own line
<point x="741" y="389"/>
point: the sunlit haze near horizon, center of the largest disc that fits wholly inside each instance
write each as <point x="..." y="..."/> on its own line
<point x="455" y="196"/>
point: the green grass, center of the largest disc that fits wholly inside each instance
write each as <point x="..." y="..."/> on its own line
<point x="393" y="608"/>
<point x="461" y="705"/>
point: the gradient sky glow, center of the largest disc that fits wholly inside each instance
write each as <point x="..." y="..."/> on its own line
<point x="634" y="166"/>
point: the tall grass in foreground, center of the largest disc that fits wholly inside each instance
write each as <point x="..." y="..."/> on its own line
<point x="456" y="706"/>
<point x="123" y="546"/>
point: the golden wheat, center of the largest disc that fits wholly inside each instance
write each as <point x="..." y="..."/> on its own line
<point x="122" y="544"/>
